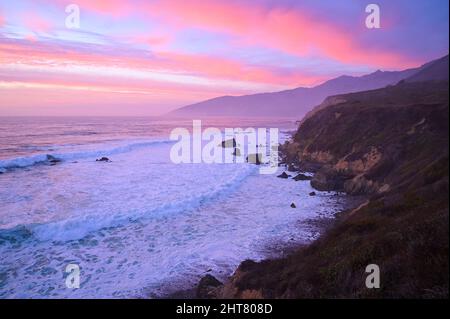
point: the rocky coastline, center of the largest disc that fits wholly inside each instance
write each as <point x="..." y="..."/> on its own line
<point x="391" y="146"/>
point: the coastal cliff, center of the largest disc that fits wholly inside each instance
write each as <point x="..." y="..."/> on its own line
<point x="390" y="145"/>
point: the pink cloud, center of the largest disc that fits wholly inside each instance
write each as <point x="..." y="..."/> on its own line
<point x="44" y="73"/>
<point x="211" y="67"/>
<point x="35" y="22"/>
<point x="290" y="31"/>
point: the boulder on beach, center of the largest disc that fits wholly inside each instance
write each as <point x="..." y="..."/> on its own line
<point x="293" y="205"/>
<point x="312" y="194"/>
<point x="207" y="287"/>
<point x="301" y="177"/>
<point x="254" y="158"/>
<point x="229" y="143"/>
<point x="103" y="159"/>
<point x="284" y="175"/>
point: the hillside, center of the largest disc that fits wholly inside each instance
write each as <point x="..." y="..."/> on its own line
<point x="390" y="145"/>
<point x="296" y="102"/>
<point x="436" y="70"/>
<point x="433" y="71"/>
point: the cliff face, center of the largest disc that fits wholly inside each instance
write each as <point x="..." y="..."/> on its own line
<point x="369" y="142"/>
<point x="391" y="144"/>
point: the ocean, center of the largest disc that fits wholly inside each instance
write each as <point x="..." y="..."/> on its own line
<point x="138" y="226"/>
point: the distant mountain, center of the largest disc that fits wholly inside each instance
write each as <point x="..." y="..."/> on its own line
<point x="299" y="101"/>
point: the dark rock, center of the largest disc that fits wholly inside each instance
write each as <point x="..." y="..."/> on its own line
<point x="103" y="159"/>
<point x="229" y="143"/>
<point x="284" y="175"/>
<point x="247" y="265"/>
<point x="328" y="179"/>
<point x="237" y="152"/>
<point x="302" y="177"/>
<point x="312" y="167"/>
<point x="293" y="205"/>
<point x="52" y="160"/>
<point x="254" y="158"/>
<point x="312" y="194"/>
<point x="207" y="287"/>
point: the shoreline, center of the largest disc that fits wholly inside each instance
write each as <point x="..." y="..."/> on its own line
<point x="273" y="251"/>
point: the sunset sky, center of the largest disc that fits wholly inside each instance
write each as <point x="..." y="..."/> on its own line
<point x="148" y="57"/>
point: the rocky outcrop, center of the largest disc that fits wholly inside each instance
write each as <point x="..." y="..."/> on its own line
<point x="357" y="142"/>
<point x="283" y="175"/>
<point x="301" y="177"/>
<point x="254" y="158"/>
<point x="329" y="179"/>
<point x="231" y="290"/>
<point x="208" y="287"/>
<point x="52" y="160"/>
<point x="231" y="143"/>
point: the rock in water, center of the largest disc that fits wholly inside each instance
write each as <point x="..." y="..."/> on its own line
<point x="312" y="194"/>
<point x="103" y="159"/>
<point x="301" y="177"/>
<point x="52" y="160"/>
<point x="207" y="287"/>
<point x="229" y="143"/>
<point x="293" y="205"/>
<point x="283" y="175"/>
<point x="254" y="158"/>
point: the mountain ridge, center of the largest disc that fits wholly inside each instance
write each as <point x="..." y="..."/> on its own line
<point x="295" y="102"/>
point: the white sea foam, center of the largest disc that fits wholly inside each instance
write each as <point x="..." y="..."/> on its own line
<point x="140" y="224"/>
<point x="79" y="226"/>
<point x="26" y="161"/>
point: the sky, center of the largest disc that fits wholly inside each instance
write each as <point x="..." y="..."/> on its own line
<point x="150" y="57"/>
